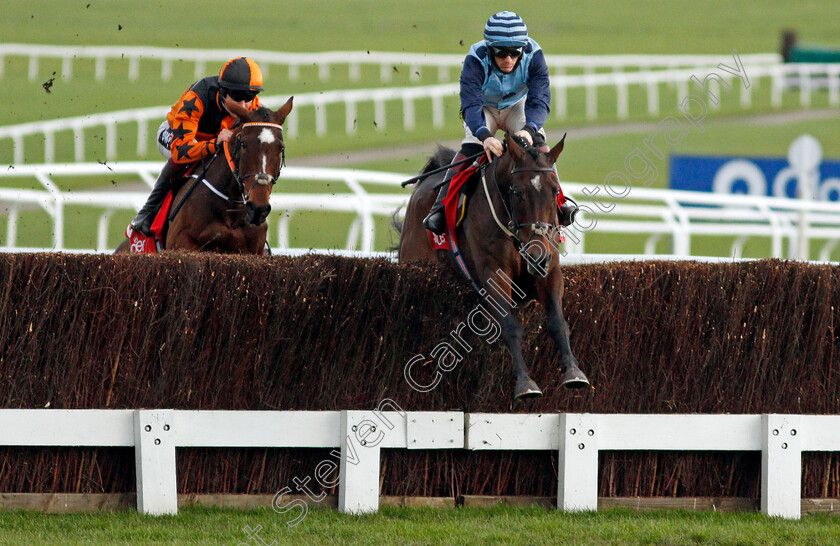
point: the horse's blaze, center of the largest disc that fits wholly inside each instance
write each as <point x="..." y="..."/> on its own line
<point x="266" y="136"/>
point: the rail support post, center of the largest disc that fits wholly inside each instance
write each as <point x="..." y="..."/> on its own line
<point x="781" y="466"/>
<point x="577" y="469"/>
<point x="358" y="488"/>
<point x="154" y="456"/>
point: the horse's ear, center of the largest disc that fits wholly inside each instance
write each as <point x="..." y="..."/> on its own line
<point x="236" y="109"/>
<point x="284" y="110"/>
<point x="554" y="153"/>
<point x="513" y="146"/>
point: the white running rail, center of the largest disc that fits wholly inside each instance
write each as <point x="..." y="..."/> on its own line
<point x="679" y="218"/>
<point x="447" y="66"/>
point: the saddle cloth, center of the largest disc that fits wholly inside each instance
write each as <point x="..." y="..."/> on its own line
<point x="441" y="242"/>
<point x="150" y="244"/>
<point x="455" y="205"/>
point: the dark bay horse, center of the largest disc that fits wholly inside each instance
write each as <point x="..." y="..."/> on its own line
<point x="226" y="211"/>
<point x="508" y="242"/>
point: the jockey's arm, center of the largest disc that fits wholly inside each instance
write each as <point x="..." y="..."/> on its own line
<point x="472" y="102"/>
<point x="184" y="118"/>
<point x="472" y="107"/>
<point x="539" y="97"/>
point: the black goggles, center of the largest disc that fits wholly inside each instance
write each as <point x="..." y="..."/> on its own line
<point x="242" y="96"/>
<point x="502" y="52"/>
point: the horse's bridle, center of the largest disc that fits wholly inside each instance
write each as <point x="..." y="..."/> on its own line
<point x="513" y="227"/>
<point x="261" y="178"/>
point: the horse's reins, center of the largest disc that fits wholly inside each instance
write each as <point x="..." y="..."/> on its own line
<point x="513" y="227"/>
<point x="198" y="178"/>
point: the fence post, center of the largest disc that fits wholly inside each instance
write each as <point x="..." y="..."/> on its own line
<point x="577" y="469"/>
<point x="154" y="456"/>
<point x="358" y="474"/>
<point x="781" y="466"/>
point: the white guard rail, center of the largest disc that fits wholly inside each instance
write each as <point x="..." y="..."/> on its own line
<point x="154" y="434"/>
<point x="678" y="216"/>
<point x="650" y="82"/>
<point x="579" y="437"/>
<point x="361" y="435"/>
<point x="446" y="65"/>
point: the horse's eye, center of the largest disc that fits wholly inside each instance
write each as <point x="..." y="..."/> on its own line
<point x="243" y="144"/>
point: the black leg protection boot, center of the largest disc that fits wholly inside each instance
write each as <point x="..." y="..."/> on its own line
<point x="435" y="221"/>
<point x="143" y="221"/>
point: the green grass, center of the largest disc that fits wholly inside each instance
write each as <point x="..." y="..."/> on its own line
<point x="599" y="26"/>
<point x="497" y="525"/>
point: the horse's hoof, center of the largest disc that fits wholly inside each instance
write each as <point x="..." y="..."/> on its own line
<point x="574" y="379"/>
<point x="526" y="389"/>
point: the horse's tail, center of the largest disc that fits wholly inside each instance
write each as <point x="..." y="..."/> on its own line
<point x="396" y="223"/>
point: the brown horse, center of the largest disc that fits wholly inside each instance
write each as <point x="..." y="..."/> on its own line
<point x="508" y="243"/>
<point x="225" y="212"/>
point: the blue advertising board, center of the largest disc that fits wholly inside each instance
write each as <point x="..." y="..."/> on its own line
<point x="759" y="175"/>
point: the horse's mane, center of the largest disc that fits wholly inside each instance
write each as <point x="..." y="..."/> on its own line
<point x="442" y="156"/>
<point x="533" y="151"/>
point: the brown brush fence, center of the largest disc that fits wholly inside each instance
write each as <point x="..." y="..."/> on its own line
<point x="329" y="333"/>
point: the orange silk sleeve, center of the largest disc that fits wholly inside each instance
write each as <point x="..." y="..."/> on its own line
<point x="183" y="118"/>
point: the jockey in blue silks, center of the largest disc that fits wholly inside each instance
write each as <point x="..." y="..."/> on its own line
<point x="504" y="85"/>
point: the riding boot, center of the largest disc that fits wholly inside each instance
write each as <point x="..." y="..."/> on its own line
<point x="143" y="221"/>
<point x="436" y="219"/>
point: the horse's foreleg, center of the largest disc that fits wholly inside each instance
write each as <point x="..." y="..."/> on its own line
<point x="525" y="387"/>
<point x="558" y="328"/>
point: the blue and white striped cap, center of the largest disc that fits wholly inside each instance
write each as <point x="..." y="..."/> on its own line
<point x="506" y="29"/>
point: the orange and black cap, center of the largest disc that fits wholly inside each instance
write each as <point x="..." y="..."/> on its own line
<point x="241" y="74"/>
